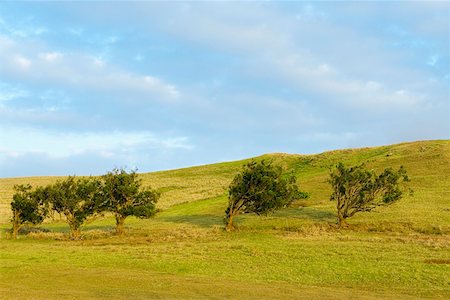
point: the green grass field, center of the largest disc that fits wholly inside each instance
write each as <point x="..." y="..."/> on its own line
<point x="401" y="251"/>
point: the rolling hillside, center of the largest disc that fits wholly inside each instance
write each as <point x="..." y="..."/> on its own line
<point x="427" y="163"/>
<point x="397" y="252"/>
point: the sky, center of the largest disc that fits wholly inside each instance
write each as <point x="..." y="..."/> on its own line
<point x="88" y="86"/>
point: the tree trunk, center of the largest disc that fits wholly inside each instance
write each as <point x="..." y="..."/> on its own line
<point x="341" y="220"/>
<point x="120" y="220"/>
<point x="16" y="226"/>
<point x="229" y="223"/>
<point x="341" y="211"/>
<point x="75" y="232"/>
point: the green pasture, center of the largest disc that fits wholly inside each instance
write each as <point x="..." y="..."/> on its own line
<point x="401" y="251"/>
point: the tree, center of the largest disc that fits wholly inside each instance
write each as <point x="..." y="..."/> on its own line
<point x="124" y="196"/>
<point x="27" y="207"/>
<point x="356" y="189"/>
<point x="77" y="199"/>
<point x="260" y="188"/>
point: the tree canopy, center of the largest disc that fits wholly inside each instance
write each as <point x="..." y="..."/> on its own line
<point x="27" y="207"/>
<point x="124" y="196"/>
<point x="260" y="188"/>
<point x="77" y="199"/>
<point x="356" y="189"/>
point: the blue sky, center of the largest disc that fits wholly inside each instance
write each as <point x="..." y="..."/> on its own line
<point x="88" y="86"/>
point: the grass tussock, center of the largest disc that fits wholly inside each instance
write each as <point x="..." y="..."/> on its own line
<point x="438" y="261"/>
<point x="56" y="236"/>
<point x="400" y="228"/>
<point x="309" y="230"/>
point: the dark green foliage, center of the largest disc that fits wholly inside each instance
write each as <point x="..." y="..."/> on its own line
<point x="125" y="197"/>
<point x="356" y="189"/>
<point x="260" y="188"/>
<point x="77" y="199"/>
<point x="28" y="206"/>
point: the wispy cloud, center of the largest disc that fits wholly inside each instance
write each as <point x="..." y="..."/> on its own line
<point x="10" y="92"/>
<point x="36" y="64"/>
<point x="141" y="84"/>
<point x="26" y="29"/>
<point x="22" y="141"/>
<point x="289" y="51"/>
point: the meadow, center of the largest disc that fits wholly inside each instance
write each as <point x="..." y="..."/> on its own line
<point x="401" y="251"/>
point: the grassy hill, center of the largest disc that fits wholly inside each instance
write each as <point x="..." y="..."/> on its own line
<point x="398" y="251"/>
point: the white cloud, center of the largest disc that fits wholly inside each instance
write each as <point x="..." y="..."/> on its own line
<point x="307" y="47"/>
<point x="25" y="30"/>
<point x="111" y="40"/>
<point x="25" y="62"/>
<point x="77" y="31"/>
<point x="51" y="56"/>
<point x="16" y="141"/>
<point x="265" y="76"/>
<point x="22" y="62"/>
<point x="278" y="45"/>
<point x="10" y="92"/>
<point x="432" y="60"/>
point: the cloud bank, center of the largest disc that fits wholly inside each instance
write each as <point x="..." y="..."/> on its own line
<point x="85" y="86"/>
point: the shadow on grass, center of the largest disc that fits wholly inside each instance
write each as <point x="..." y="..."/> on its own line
<point x="60" y="231"/>
<point x="307" y="213"/>
<point x="209" y="220"/>
<point x="205" y="220"/>
<point x="99" y="227"/>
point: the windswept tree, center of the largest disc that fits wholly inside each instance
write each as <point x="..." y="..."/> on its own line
<point x="356" y="189"/>
<point x="124" y="196"/>
<point x="260" y="188"/>
<point x="77" y="199"/>
<point x="28" y="207"/>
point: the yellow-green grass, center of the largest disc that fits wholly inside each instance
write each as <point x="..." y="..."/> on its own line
<point x="162" y="259"/>
<point x="185" y="256"/>
<point x="400" y="251"/>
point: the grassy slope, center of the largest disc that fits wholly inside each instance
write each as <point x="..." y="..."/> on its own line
<point x="399" y="251"/>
